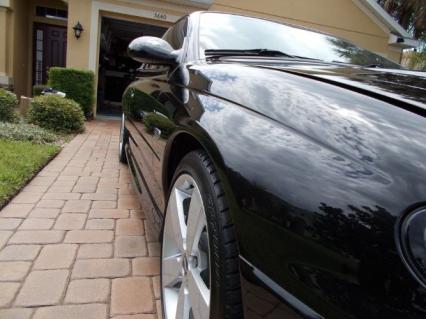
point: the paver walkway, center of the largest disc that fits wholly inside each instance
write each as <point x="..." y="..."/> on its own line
<point x="74" y="242"/>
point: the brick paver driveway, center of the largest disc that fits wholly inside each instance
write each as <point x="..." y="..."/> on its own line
<point x="74" y="243"/>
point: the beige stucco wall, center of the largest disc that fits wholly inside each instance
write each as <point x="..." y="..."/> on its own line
<point x="78" y="49"/>
<point x="4" y="72"/>
<point x="13" y="45"/>
<point x="19" y="37"/>
<point x="3" y="39"/>
<point x="342" y="18"/>
<point x="395" y="54"/>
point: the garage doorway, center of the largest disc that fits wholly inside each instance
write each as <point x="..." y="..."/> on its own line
<point x="116" y="70"/>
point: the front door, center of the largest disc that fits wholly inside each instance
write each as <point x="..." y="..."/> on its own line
<point x="50" y="49"/>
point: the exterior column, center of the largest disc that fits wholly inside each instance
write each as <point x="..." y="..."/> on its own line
<point x="5" y="79"/>
<point x="78" y="49"/>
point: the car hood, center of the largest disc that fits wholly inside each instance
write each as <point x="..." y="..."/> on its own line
<point x="400" y="85"/>
<point x="402" y="88"/>
<point x="378" y="127"/>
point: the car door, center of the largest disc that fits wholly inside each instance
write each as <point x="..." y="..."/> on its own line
<point x="151" y="105"/>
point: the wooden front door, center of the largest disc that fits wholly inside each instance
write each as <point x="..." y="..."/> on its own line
<point x="50" y="49"/>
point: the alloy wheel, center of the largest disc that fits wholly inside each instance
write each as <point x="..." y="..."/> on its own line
<point x="185" y="266"/>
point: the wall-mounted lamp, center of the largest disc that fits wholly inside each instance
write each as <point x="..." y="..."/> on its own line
<point x="78" y="28"/>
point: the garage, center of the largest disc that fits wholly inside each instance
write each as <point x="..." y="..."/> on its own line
<point x="116" y="70"/>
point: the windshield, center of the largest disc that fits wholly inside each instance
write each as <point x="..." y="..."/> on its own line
<point x="233" y="32"/>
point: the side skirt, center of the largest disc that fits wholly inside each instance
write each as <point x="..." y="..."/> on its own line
<point x="154" y="216"/>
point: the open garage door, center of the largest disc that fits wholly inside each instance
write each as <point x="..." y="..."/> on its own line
<point x="116" y="70"/>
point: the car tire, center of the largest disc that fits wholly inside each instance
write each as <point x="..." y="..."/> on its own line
<point x="185" y="256"/>
<point x="124" y="139"/>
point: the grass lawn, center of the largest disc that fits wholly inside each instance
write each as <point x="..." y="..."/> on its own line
<point x="19" y="161"/>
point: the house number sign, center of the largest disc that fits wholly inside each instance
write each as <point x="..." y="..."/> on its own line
<point x="160" y="16"/>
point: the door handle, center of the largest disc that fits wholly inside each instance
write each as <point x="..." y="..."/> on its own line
<point x="156" y="132"/>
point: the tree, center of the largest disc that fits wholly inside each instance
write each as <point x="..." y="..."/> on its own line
<point x="410" y="14"/>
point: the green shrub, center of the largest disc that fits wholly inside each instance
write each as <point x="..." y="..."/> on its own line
<point x="38" y="88"/>
<point x="79" y="85"/>
<point x="8" y="102"/>
<point x="56" y="113"/>
<point x="26" y="132"/>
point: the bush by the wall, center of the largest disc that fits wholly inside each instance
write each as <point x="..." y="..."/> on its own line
<point x="8" y="102"/>
<point x="26" y="132"/>
<point x="79" y="85"/>
<point x="38" y="88"/>
<point x="56" y="113"/>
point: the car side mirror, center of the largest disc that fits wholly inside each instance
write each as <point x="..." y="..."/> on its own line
<point x="152" y="50"/>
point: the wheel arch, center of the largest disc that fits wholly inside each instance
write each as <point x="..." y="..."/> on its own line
<point x="180" y="144"/>
<point x="187" y="140"/>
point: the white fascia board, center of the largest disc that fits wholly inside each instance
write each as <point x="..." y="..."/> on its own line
<point x="384" y="17"/>
<point x="203" y="4"/>
<point x="206" y="3"/>
<point x="401" y="42"/>
<point x="5" y="3"/>
<point x="5" y="80"/>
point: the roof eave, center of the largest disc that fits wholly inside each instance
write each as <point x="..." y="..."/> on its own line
<point x="401" y="42"/>
<point x="385" y="19"/>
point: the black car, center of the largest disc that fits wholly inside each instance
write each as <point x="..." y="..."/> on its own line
<point x="284" y="171"/>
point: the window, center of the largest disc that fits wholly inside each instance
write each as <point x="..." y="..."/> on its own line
<point x="234" y="32"/>
<point x="177" y="33"/>
<point x="51" y="13"/>
<point x="38" y="57"/>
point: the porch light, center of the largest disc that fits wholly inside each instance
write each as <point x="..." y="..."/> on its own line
<point x="78" y="28"/>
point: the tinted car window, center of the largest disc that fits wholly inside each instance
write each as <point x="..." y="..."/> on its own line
<point x="176" y="34"/>
<point x="227" y="31"/>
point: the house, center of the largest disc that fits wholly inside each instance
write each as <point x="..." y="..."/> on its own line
<point x="38" y="34"/>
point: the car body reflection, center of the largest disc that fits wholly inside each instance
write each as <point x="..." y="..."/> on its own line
<point x="319" y="161"/>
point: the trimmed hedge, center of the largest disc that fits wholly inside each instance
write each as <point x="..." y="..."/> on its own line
<point x="38" y="88"/>
<point x="79" y="85"/>
<point x="56" y="113"/>
<point x="8" y="102"/>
